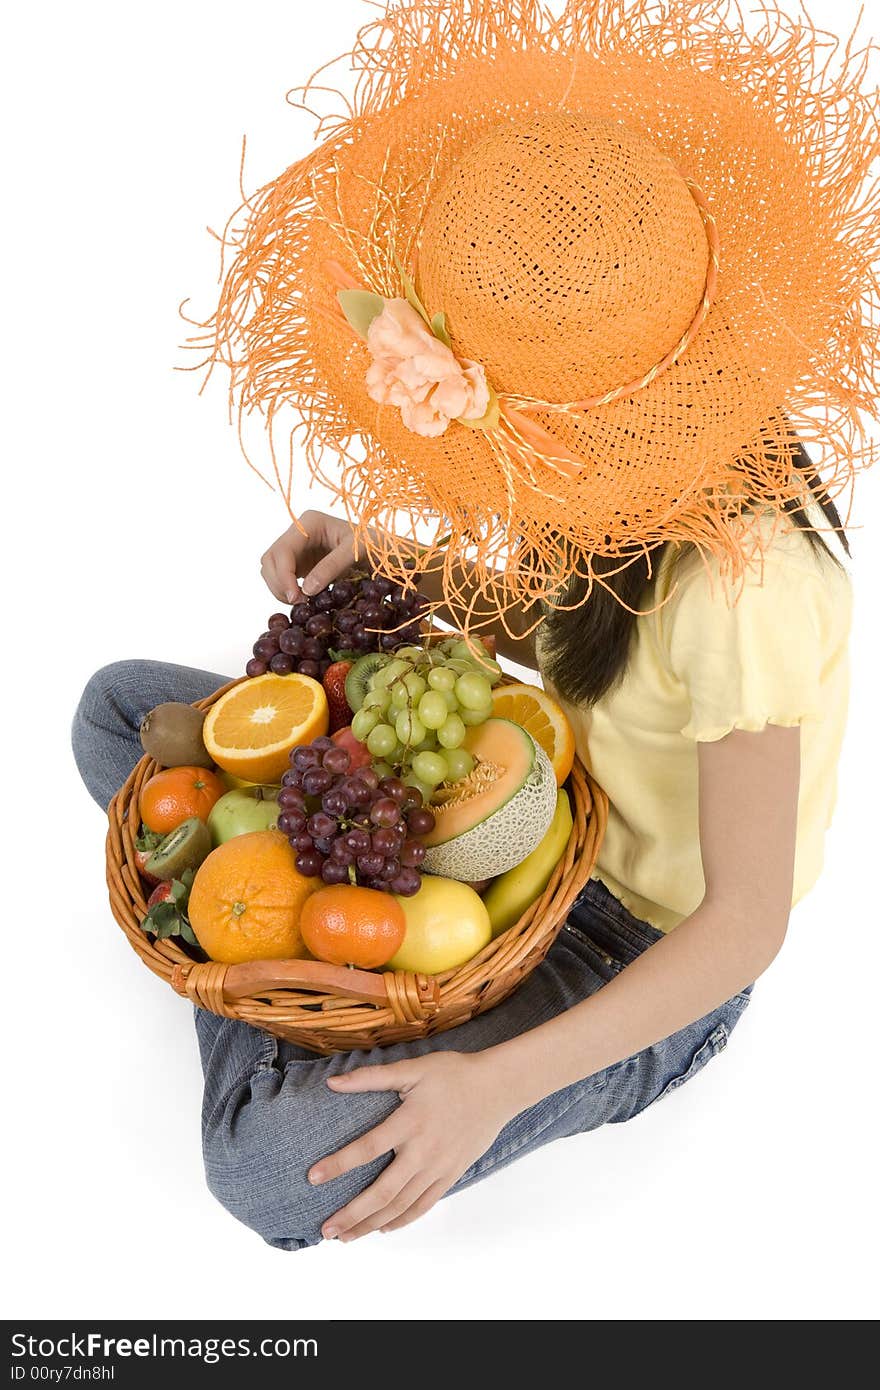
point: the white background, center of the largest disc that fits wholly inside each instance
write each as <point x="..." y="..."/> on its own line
<point x="134" y="529"/>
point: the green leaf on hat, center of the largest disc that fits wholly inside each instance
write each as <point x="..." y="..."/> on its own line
<point x="360" y="308"/>
<point x="491" y="419"/>
<point x="439" y="329"/>
<point x="412" y="297"/>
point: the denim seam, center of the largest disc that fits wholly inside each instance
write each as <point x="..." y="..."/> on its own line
<point x="222" y="1102"/>
<point x="253" y="1069"/>
<point x="605" y="957"/>
<point x="715" y="1043"/>
<point x="268" y="1054"/>
<point x="630" y="936"/>
<point x="599" y="959"/>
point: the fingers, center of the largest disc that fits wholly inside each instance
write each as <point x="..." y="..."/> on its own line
<point x="288" y="557"/>
<point x="284" y="558"/>
<point x="274" y="584"/>
<point x="311" y="554"/>
<point x="394" y="1076"/>
<point x="377" y="1142"/>
<point x="418" y="1208"/>
<point x="332" y="567"/>
<point x="382" y="1217"/>
<point x="393" y="1192"/>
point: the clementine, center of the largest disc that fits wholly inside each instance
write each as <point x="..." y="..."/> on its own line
<point x="172" y="796"/>
<point x="347" y="925"/>
<point x="247" y="899"/>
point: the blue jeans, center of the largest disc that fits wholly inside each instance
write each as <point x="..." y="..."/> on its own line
<point x="267" y="1114"/>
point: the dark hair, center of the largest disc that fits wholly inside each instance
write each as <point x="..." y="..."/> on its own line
<point x="585" y="649"/>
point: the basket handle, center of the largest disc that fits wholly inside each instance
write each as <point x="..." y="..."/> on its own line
<point x="257" y="976"/>
<point x="411" y="997"/>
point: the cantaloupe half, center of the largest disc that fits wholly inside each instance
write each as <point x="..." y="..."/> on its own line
<point x="499" y="813"/>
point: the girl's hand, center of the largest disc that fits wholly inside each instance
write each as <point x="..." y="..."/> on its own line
<point x="452" y="1111"/>
<point x="298" y="564"/>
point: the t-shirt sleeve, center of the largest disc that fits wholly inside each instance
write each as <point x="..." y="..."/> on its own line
<point x="748" y="654"/>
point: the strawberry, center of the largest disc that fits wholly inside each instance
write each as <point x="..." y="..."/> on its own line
<point x="334" y="685"/>
<point x="160" y="894"/>
<point x="167" y="908"/>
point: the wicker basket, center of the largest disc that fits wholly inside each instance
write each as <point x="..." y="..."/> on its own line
<point x="332" y="1008"/>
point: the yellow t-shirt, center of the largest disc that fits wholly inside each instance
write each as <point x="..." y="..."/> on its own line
<point x="705" y="663"/>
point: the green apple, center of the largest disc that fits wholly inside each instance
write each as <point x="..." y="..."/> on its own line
<point x="243" y="810"/>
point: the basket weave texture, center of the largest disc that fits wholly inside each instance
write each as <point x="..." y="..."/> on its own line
<point x="332" y="1009"/>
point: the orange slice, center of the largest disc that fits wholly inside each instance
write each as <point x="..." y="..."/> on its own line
<point x="251" y="730"/>
<point x="533" y="709"/>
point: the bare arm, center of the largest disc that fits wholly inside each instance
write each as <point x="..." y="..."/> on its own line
<point x="748" y="817"/>
<point x="455" y="1104"/>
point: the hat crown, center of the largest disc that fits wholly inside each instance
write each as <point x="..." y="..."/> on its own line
<point x="567" y="253"/>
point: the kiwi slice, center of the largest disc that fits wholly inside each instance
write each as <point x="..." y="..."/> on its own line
<point x="358" y="678"/>
<point x="184" y="848"/>
<point x="172" y="734"/>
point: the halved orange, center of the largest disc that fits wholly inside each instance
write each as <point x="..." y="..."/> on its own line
<point x="534" y="710"/>
<point x="251" y="730"/>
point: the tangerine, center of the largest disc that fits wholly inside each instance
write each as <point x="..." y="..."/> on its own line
<point x="247" y="899"/>
<point x="172" y="796"/>
<point x="347" y="925"/>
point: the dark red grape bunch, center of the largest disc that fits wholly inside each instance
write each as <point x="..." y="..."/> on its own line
<point x="359" y="614"/>
<point x="348" y="826"/>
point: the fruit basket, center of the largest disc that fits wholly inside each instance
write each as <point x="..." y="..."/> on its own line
<point x="329" y="1008"/>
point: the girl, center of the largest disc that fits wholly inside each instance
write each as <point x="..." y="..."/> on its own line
<point x="577" y="335"/>
<point x="715" y="731"/>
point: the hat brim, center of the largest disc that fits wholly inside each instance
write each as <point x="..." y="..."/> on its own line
<point x="782" y="148"/>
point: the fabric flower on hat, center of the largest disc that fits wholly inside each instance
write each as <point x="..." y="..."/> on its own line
<point x="416" y="372"/>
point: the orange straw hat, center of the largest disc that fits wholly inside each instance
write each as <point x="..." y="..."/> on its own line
<point x="565" y="287"/>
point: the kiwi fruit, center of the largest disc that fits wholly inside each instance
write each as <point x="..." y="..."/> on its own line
<point x="358" y="678"/>
<point x="172" y="734"/>
<point x="184" y="848"/>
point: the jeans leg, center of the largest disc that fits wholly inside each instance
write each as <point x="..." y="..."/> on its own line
<point x="269" y="1115"/>
<point x="105" y="732"/>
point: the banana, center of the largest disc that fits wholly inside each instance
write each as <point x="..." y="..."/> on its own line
<point x="511" y="893"/>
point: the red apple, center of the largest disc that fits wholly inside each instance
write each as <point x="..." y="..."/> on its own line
<point x="358" y="752"/>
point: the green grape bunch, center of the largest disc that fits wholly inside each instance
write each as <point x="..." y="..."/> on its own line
<point x="418" y="708"/>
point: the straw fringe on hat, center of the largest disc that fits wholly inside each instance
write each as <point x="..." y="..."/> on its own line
<point x="564" y="287"/>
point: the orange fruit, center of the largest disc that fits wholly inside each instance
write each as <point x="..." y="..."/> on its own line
<point x="247" y="899"/>
<point x="346" y="925"/>
<point x="252" y="728"/>
<point x="534" y="710"/>
<point x="172" y="796"/>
